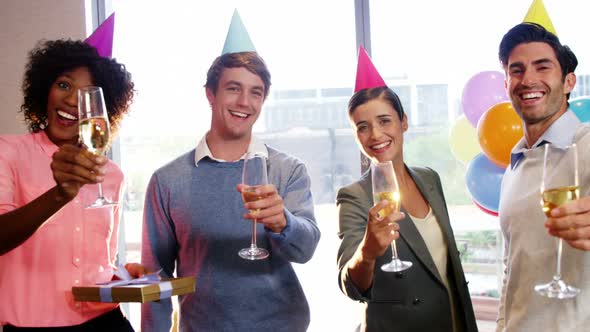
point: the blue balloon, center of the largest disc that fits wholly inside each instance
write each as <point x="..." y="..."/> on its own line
<point x="581" y="107"/>
<point x="484" y="179"/>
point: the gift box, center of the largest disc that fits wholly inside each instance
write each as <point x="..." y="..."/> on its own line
<point x="154" y="291"/>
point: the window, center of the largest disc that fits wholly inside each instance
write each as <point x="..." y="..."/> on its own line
<point x="174" y="43"/>
<point x="425" y="50"/>
<point x="582" y="86"/>
<point x="435" y="50"/>
<point x="432" y="104"/>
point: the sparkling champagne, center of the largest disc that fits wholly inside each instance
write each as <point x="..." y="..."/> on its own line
<point x="553" y="198"/>
<point x="94" y="133"/>
<point x="249" y="195"/>
<point x="392" y="197"/>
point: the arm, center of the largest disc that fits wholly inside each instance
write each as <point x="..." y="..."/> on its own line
<point x="72" y="168"/>
<point x="300" y="238"/>
<point x="365" y="237"/>
<point x="158" y="251"/>
<point x="379" y="234"/>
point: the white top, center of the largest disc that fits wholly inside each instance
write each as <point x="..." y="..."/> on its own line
<point x="431" y="232"/>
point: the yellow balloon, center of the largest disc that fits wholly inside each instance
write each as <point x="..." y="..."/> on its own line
<point x="463" y="140"/>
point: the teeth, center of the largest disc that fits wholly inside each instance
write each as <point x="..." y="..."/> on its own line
<point x="67" y="115"/>
<point x="238" y="114"/>
<point x="532" y="95"/>
<point x="379" y="146"/>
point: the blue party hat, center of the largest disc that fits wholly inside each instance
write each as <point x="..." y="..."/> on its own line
<point x="237" y="39"/>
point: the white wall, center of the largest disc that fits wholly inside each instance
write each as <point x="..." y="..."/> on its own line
<point x="22" y="24"/>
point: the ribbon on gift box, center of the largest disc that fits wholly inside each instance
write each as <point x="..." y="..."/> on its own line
<point x="106" y="294"/>
<point x="126" y="279"/>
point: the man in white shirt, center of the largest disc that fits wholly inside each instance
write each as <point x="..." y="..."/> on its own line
<point x="539" y="78"/>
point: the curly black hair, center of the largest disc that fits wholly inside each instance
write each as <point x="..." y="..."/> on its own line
<point x="52" y="58"/>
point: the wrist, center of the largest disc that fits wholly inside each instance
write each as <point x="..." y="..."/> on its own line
<point x="61" y="195"/>
<point x="279" y="227"/>
<point x="365" y="257"/>
<point x="366" y="253"/>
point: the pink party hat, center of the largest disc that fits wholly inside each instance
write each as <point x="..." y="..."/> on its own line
<point x="102" y="37"/>
<point x="367" y="75"/>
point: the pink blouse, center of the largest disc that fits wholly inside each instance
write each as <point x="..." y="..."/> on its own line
<point x="76" y="246"/>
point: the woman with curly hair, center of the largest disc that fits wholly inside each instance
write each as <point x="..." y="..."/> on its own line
<point x="49" y="241"/>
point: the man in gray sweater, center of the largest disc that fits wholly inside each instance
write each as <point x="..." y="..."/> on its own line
<point x="194" y="218"/>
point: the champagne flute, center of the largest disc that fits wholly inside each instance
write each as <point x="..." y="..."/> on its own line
<point x="253" y="176"/>
<point x="385" y="187"/>
<point x="94" y="130"/>
<point x="558" y="186"/>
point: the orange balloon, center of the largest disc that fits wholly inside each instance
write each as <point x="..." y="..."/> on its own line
<point x="498" y="130"/>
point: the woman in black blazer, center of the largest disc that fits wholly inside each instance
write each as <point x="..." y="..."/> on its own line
<point x="432" y="295"/>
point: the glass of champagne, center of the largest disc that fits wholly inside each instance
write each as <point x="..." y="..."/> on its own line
<point x="253" y="176"/>
<point x="94" y="129"/>
<point x="558" y="186"/>
<point x="385" y="188"/>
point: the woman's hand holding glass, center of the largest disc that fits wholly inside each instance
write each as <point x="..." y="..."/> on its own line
<point x="386" y="188"/>
<point x="74" y="167"/>
<point x="381" y="231"/>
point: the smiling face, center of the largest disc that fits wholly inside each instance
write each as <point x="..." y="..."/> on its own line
<point x="62" y="106"/>
<point x="535" y="84"/>
<point x="379" y="131"/>
<point x="236" y="105"/>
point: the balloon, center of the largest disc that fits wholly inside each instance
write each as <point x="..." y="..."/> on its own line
<point x="483" y="180"/>
<point x="498" y="130"/>
<point x="481" y="92"/>
<point x="463" y="140"/>
<point x="490" y="212"/>
<point x="581" y="107"/>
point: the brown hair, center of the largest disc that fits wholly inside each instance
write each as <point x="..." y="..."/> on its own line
<point x="249" y="60"/>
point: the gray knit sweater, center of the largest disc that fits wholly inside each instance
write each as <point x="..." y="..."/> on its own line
<point x="193" y="226"/>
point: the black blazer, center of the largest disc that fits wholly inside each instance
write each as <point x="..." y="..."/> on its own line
<point x="415" y="299"/>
